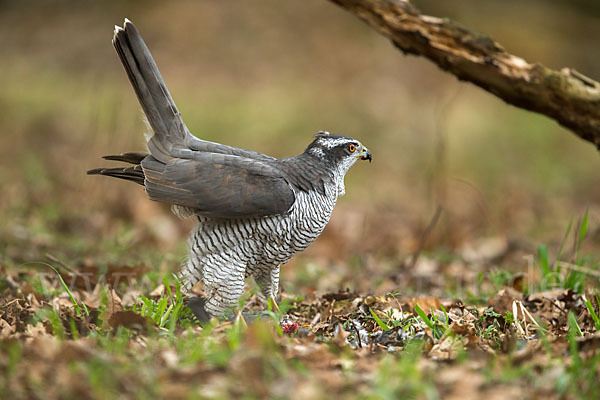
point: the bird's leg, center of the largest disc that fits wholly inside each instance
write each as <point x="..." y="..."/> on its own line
<point x="267" y="279"/>
<point x="223" y="286"/>
<point x="191" y="272"/>
<point x="273" y="304"/>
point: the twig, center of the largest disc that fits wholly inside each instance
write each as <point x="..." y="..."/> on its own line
<point x="315" y="319"/>
<point x="578" y="268"/>
<point x="516" y="321"/>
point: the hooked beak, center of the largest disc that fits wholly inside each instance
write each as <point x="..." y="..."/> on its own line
<point x="365" y="154"/>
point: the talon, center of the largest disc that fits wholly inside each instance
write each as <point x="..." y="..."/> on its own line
<point x="240" y="320"/>
<point x="273" y="304"/>
<point x="196" y="304"/>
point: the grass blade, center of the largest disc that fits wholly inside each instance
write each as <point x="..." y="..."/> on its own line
<point x="584" y="225"/>
<point x="168" y="287"/>
<point x="582" y="233"/>
<point x="424" y="317"/>
<point x="165" y="317"/>
<point x="595" y="317"/>
<point x="543" y="254"/>
<point x="162" y="305"/>
<point x="76" y="305"/>
<point x="562" y="243"/>
<point x="573" y="325"/>
<point x="381" y="324"/>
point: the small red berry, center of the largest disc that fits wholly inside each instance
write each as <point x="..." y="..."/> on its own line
<point x="289" y="328"/>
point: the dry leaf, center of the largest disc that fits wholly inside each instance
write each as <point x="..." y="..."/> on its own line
<point x="128" y="319"/>
<point x="425" y="303"/>
<point x="503" y="300"/>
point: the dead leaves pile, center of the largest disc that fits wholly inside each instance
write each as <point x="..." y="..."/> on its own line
<point x="386" y="323"/>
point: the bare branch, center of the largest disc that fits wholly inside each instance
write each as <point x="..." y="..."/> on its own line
<point x="567" y="96"/>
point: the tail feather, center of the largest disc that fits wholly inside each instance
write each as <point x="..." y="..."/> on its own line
<point x="170" y="137"/>
<point x="131" y="157"/>
<point x="133" y="174"/>
<point x="155" y="99"/>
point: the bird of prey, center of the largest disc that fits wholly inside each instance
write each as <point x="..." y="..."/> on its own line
<point x="253" y="211"/>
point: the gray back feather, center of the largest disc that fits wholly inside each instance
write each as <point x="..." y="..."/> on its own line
<point x="219" y="185"/>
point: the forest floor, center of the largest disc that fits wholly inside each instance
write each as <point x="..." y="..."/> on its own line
<point x="111" y="330"/>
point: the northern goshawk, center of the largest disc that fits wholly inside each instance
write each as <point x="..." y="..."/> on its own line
<point x="253" y="211"/>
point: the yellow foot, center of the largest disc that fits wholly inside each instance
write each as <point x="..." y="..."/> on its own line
<point x="273" y="304"/>
<point x="239" y="320"/>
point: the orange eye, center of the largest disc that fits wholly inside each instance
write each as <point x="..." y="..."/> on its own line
<point x="351" y="147"/>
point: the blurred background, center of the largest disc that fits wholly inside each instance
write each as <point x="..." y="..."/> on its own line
<point x="266" y="75"/>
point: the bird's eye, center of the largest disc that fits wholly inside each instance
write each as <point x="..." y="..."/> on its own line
<point x="351" y="147"/>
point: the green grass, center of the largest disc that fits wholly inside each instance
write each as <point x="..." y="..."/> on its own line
<point x="574" y="273"/>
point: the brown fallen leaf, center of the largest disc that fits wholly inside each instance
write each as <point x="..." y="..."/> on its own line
<point x="340" y="336"/>
<point x="463" y="329"/>
<point x="6" y="330"/>
<point x="447" y="349"/>
<point x="37" y="330"/>
<point x="158" y="291"/>
<point x="131" y="296"/>
<point x="129" y="319"/>
<point x="503" y="300"/>
<point x="341" y="295"/>
<point x="425" y="303"/>
<point x="113" y="306"/>
<point x="92" y="300"/>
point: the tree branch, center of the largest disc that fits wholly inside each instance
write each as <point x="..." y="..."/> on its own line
<point x="567" y="96"/>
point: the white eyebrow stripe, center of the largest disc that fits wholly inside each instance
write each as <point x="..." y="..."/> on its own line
<point x="331" y="143"/>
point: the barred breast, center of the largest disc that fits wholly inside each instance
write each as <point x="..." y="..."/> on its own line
<point x="217" y="245"/>
<point x="311" y="213"/>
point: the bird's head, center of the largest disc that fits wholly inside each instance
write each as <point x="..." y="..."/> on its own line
<point x="337" y="151"/>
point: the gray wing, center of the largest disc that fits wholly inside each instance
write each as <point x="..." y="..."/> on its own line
<point x="170" y="135"/>
<point x="219" y="185"/>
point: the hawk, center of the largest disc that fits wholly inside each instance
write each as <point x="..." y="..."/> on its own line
<point x="253" y="211"/>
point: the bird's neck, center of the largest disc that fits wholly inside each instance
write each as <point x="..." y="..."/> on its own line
<point x="307" y="173"/>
